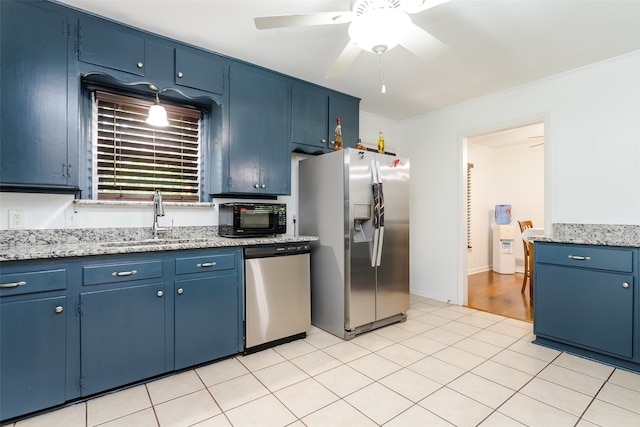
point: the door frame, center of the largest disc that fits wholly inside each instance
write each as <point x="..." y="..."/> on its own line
<point x="545" y="118"/>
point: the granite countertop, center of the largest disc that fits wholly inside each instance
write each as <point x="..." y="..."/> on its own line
<point x="594" y="234"/>
<point x="59" y="243"/>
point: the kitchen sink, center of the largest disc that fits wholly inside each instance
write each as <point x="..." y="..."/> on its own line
<point x="152" y="242"/>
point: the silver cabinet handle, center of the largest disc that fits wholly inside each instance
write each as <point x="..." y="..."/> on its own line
<point x="256" y="186"/>
<point x="12" y="285"/>
<point x="625" y="285"/>
<point x="206" y="264"/>
<point x="263" y="186"/>
<point x="579" y="258"/>
<point x="160" y="293"/>
<point x="180" y="75"/>
<point x="124" y="273"/>
<point x="324" y="141"/>
<point x="180" y="291"/>
<point x="59" y="309"/>
<point x="140" y="64"/>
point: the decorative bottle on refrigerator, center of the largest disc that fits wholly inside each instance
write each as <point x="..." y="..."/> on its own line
<point x="381" y="143"/>
<point x="338" y="141"/>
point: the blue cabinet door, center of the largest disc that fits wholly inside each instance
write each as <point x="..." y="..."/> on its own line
<point x="111" y="46"/>
<point x="259" y="161"/>
<point x="32" y="355"/>
<point x="586" y="308"/>
<point x="122" y="336"/>
<point x="199" y="70"/>
<point x="33" y="122"/>
<point x="206" y="319"/>
<point x="309" y="118"/>
<point x="348" y="110"/>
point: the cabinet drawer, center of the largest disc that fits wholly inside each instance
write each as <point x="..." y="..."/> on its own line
<point x="613" y="259"/>
<point x="205" y="263"/>
<point x="121" y="272"/>
<point x="33" y="281"/>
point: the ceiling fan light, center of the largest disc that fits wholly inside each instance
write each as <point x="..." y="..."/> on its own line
<point x="379" y="30"/>
<point x="157" y="116"/>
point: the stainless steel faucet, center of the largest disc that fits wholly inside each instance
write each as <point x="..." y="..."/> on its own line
<point x="158" y="210"/>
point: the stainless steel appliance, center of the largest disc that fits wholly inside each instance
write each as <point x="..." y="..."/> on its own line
<point x="252" y="219"/>
<point x="278" y="294"/>
<point x="357" y="202"/>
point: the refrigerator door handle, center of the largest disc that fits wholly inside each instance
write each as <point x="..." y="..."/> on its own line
<point x="380" y="223"/>
<point x="375" y="190"/>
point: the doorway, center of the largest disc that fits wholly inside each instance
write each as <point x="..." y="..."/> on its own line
<point x="504" y="167"/>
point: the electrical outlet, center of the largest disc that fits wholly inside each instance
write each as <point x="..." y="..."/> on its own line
<point x="16" y="219"/>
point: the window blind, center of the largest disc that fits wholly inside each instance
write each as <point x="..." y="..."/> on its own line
<point x="131" y="159"/>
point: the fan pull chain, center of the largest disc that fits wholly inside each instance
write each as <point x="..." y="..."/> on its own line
<point x="381" y="72"/>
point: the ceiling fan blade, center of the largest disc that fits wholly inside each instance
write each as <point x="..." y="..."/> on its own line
<point x="302" y="20"/>
<point x="344" y="61"/>
<point x="424" y="45"/>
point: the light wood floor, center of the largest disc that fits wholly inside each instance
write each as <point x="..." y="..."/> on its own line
<point x="500" y="294"/>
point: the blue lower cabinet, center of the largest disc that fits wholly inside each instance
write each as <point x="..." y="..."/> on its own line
<point x="122" y="336"/>
<point x="133" y="317"/>
<point x="206" y="311"/>
<point x="585" y="300"/>
<point x="32" y="355"/>
<point x="586" y="308"/>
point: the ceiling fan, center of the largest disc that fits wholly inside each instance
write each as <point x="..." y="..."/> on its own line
<point x="374" y="26"/>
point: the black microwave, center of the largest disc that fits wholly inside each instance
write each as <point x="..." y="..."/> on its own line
<point x="252" y="219"/>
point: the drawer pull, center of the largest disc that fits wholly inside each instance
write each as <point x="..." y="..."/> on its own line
<point x="12" y="285"/>
<point x="206" y="264"/>
<point x="59" y="309"/>
<point x="160" y="293"/>
<point x="180" y="291"/>
<point x="579" y="257"/>
<point x="625" y="285"/>
<point x="124" y="273"/>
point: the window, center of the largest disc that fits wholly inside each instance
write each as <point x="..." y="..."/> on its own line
<point x="131" y="159"/>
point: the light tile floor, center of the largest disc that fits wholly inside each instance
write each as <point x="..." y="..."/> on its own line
<point x="445" y="366"/>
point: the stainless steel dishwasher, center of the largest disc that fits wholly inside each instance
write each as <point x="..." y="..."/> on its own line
<point x="278" y="294"/>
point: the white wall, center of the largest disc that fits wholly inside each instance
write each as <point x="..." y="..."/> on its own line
<point x="510" y="175"/>
<point x="592" y="154"/>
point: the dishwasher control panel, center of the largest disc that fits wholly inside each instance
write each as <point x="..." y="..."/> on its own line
<point x="277" y="250"/>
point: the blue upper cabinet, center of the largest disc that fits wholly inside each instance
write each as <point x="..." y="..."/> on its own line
<point x="34" y="149"/>
<point x="259" y="160"/>
<point x="309" y="118"/>
<point x="199" y="71"/>
<point x="314" y="114"/>
<point x="111" y="47"/>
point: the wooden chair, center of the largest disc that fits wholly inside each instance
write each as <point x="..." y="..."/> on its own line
<point x="528" y="258"/>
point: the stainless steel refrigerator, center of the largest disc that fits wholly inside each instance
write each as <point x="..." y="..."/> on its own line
<point x="357" y="202"/>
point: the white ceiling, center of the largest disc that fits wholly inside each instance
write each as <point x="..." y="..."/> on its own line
<point x="529" y="136"/>
<point x="494" y="45"/>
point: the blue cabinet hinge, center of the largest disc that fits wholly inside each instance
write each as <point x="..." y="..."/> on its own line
<point x="65" y="170"/>
<point x="79" y="308"/>
<point x="80" y="382"/>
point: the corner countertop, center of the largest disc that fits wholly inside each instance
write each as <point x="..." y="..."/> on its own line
<point x="18" y="245"/>
<point x="594" y="234"/>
